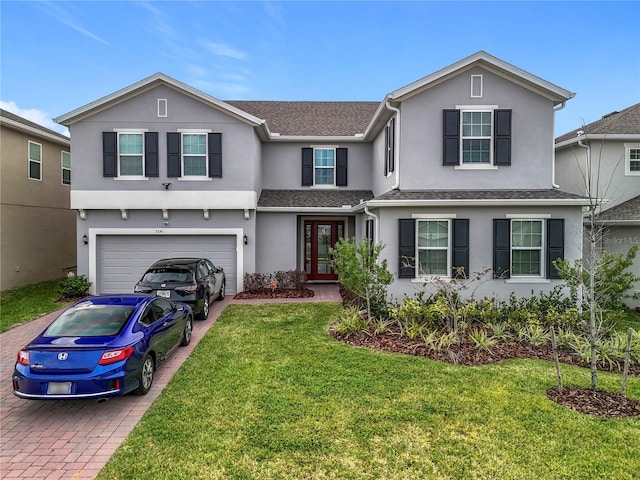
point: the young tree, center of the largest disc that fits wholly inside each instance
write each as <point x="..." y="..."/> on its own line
<point x="359" y="269"/>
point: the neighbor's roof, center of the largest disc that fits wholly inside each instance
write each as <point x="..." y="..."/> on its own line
<point x="22" y="124"/>
<point x="624" y="122"/>
<point x="309" y="199"/>
<point x="625" y="212"/>
<point x="311" y="118"/>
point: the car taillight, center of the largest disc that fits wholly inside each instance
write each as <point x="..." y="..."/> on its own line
<point x="190" y="288"/>
<point x="23" y="357"/>
<point x="113" y="356"/>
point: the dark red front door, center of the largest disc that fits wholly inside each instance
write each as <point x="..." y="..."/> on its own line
<point x="319" y="237"/>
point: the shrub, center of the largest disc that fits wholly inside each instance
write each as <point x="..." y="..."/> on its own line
<point x="74" y="287"/>
<point x="350" y="321"/>
<point x="481" y="340"/>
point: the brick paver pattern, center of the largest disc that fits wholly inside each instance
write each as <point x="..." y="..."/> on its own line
<point x="59" y="439"/>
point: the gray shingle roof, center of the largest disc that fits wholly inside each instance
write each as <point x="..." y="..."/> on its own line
<point x="16" y="118"/>
<point x="626" y="121"/>
<point x="478" y="195"/>
<point x="626" y="211"/>
<point x="312" y="198"/>
<point x="311" y="118"/>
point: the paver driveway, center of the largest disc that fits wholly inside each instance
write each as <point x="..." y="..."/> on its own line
<point x="75" y="439"/>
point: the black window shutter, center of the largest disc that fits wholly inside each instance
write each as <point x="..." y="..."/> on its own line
<point x="451" y="141"/>
<point x="151" y="154"/>
<point x="460" y="258"/>
<point x="307" y="167"/>
<point x="109" y="154"/>
<point x="407" y="248"/>
<point x="174" y="163"/>
<point x="555" y="244"/>
<point x="215" y="155"/>
<point x="502" y="137"/>
<point x="341" y="167"/>
<point x="392" y="146"/>
<point x="501" y="248"/>
<point x="386" y="153"/>
<point x="369" y="230"/>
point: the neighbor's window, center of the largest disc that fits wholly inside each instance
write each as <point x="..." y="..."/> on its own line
<point x="433" y="247"/>
<point x="194" y="154"/>
<point x="526" y="247"/>
<point x="324" y="162"/>
<point x="66" y="168"/>
<point x="130" y="154"/>
<point x="35" y="161"/>
<point x="476" y="137"/>
<point x="632" y="159"/>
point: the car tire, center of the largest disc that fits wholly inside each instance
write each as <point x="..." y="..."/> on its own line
<point x="145" y="375"/>
<point x="222" y="293"/>
<point x="204" y="313"/>
<point x="188" y="330"/>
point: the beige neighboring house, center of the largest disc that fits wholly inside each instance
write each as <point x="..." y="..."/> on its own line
<point x="37" y="226"/>
<point x="611" y="146"/>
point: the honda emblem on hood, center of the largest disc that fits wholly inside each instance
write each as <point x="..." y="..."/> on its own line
<point x="63" y="356"/>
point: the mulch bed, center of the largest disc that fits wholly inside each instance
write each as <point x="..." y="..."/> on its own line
<point x="276" y="293"/>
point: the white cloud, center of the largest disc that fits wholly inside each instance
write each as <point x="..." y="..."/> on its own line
<point x="35" y="115"/>
<point x="64" y="17"/>
<point x="222" y="50"/>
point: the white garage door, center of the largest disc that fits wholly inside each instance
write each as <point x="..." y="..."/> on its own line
<point x="122" y="259"/>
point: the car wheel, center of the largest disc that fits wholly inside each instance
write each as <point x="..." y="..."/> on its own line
<point x="188" y="329"/>
<point x="145" y="377"/>
<point x="222" y="292"/>
<point x="205" y="307"/>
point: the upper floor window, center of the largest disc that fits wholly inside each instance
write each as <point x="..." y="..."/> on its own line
<point x="35" y="161"/>
<point x="632" y="158"/>
<point x="130" y="154"/>
<point x="65" y="162"/>
<point x="194" y="154"/>
<point x="478" y="136"/>
<point x="324" y="166"/>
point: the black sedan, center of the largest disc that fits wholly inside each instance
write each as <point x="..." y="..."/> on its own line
<point x="194" y="281"/>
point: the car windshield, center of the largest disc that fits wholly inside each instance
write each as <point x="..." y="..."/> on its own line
<point x="167" y="275"/>
<point x="90" y="321"/>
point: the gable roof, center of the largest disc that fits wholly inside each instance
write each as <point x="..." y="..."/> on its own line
<point x="19" y="123"/>
<point x="625" y="122"/>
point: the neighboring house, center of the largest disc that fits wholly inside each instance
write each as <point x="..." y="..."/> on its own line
<point x="38" y="230"/>
<point x="608" y="153"/>
<point x="453" y="170"/>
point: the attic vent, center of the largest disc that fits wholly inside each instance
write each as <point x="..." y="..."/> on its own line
<point x="476" y="86"/>
<point x="162" y="107"/>
<point x="610" y="114"/>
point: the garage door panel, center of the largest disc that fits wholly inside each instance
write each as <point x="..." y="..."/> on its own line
<point x="123" y="259"/>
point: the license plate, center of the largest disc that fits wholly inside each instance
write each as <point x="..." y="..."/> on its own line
<point x="59" y="388"/>
<point x="163" y="293"/>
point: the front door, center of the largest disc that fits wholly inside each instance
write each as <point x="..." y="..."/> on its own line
<point x="319" y="237"/>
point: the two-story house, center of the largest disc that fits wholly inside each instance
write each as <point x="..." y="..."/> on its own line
<point x="453" y="173"/>
<point x="38" y="230"/>
<point x="602" y="160"/>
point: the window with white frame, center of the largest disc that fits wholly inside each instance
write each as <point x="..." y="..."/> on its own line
<point x="35" y="161"/>
<point x="526" y="248"/>
<point x="632" y="158"/>
<point x="130" y="154"/>
<point x="433" y="248"/>
<point x="194" y="155"/>
<point x="65" y="162"/>
<point x="324" y="166"/>
<point x="476" y="137"/>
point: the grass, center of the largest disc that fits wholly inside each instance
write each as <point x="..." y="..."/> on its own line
<point x="26" y="303"/>
<point x="268" y="394"/>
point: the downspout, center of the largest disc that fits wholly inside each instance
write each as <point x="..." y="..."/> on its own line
<point x="553" y="165"/>
<point x="396" y="146"/>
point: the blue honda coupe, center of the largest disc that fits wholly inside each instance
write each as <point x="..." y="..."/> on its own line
<point x="102" y="346"/>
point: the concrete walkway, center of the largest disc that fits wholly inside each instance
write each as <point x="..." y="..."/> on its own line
<point x="75" y="439"/>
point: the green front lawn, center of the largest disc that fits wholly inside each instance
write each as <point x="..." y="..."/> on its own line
<point x="268" y="394"/>
<point x="26" y="303"/>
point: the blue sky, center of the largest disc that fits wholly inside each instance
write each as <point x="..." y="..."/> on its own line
<point x="57" y="56"/>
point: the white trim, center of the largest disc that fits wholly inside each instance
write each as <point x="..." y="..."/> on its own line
<point x="194" y="178"/>
<point x="93" y="233"/>
<point x="56" y="137"/>
<point x="131" y="130"/>
<point x="479" y="81"/>
<point x="526" y="216"/>
<point x="542" y="249"/>
<point x="194" y="130"/>
<point x="163" y="109"/>
<point x="448" y="248"/>
<point x="478" y="108"/>
<point x="476" y="166"/>
<point x="127" y="178"/>
<point x="431" y="216"/>
<point x="627" y="159"/>
<point x="159" y="199"/>
<point x="527" y="280"/>
<point x="547" y="202"/>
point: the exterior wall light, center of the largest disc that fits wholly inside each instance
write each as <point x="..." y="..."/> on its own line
<point x="85" y="239"/>
<point x="246" y="240"/>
